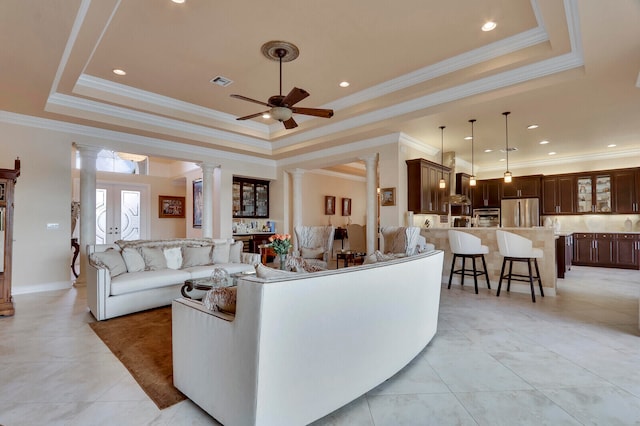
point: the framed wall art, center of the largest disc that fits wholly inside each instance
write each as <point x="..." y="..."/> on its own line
<point x="346" y="207"/>
<point x="329" y="205"/>
<point x="171" y="207"/>
<point x="197" y="203"/>
<point x="388" y="196"/>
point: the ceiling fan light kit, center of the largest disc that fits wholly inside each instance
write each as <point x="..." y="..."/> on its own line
<point x="282" y="107"/>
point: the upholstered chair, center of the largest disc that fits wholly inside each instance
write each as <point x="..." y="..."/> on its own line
<point x="314" y="243"/>
<point x="357" y="235"/>
<point x="516" y="248"/>
<point x="466" y="246"/>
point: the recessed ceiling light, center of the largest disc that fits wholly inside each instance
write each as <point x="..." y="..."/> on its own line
<point x="489" y="26"/>
<point x="552" y="153"/>
<point x="532" y="126"/>
<point x="611" y="145"/>
<point x="344" y="84"/>
<point x="488" y="150"/>
<point x="502" y="159"/>
<point x="118" y="71"/>
<point x="544" y="142"/>
<point x="467" y="138"/>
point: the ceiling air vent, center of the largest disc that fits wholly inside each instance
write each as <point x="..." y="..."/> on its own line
<point x="221" y="81"/>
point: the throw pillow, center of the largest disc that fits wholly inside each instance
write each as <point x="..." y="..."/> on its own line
<point x="372" y="258"/>
<point x="221" y="299"/>
<point x="312" y="253"/>
<point x="173" y="257"/>
<point x="221" y="252"/>
<point x="110" y="259"/>
<point x="196" y="256"/>
<point x="266" y="272"/>
<point x="235" y="252"/>
<point x="133" y="259"/>
<point x="153" y="258"/>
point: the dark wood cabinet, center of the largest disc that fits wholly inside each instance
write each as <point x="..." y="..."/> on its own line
<point x="463" y="187"/>
<point x="522" y="187"/>
<point x="626" y="191"/>
<point x="487" y="193"/>
<point x="564" y="254"/>
<point x="250" y="198"/>
<point x="558" y="194"/>
<point x="594" y="192"/>
<point x="606" y="250"/>
<point x="8" y="179"/>
<point x="424" y="195"/>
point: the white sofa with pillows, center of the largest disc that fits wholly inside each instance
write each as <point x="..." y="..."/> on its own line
<point x="301" y="345"/>
<point x="132" y="276"/>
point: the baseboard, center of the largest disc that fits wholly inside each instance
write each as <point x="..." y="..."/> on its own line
<point x="37" y="288"/>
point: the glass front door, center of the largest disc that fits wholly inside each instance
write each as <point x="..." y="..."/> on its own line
<point x="120" y="213"/>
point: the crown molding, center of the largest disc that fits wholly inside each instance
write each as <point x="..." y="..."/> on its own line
<point x="331" y="173"/>
<point x="417" y="144"/>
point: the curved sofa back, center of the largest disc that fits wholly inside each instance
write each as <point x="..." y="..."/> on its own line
<point x="311" y="343"/>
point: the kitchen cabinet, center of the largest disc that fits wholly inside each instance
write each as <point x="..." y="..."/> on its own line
<point x="487" y="193"/>
<point x="424" y="195"/>
<point x="564" y="254"/>
<point x="558" y="194"/>
<point x="626" y="191"/>
<point x="463" y="187"/>
<point x="594" y="193"/>
<point x="250" y="198"/>
<point x="607" y="250"/>
<point x="522" y="187"/>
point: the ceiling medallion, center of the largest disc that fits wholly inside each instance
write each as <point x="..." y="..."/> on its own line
<point x="276" y="50"/>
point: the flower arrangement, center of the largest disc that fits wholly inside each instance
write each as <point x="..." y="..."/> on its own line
<point x="280" y="243"/>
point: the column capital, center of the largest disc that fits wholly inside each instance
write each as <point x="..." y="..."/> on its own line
<point x="370" y="160"/>
<point x="208" y="167"/>
<point x="88" y="151"/>
<point x="296" y="172"/>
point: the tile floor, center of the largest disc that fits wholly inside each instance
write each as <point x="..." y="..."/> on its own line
<point x="568" y="360"/>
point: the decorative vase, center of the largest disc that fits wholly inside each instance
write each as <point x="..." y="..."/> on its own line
<point x="283" y="260"/>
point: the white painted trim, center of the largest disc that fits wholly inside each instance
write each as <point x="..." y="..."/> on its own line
<point x="338" y="175"/>
<point x="417" y="144"/>
<point x="37" y="288"/>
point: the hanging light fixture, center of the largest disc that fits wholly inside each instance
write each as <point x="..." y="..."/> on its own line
<point x="472" y="179"/>
<point x="507" y="174"/>
<point x="443" y="183"/>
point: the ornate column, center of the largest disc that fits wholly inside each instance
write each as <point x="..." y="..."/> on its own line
<point x="207" y="198"/>
<point x="296" y="179"/>
<point x="88" y="156"/>
<point x="371" y="163"/>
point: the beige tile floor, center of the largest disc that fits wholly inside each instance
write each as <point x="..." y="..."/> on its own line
<point x="573" y="359"/>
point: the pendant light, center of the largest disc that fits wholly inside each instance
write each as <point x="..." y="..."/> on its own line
<point x="472" y="179"/>
<point x="443" y="183"/>
<point x="507" y="174"/>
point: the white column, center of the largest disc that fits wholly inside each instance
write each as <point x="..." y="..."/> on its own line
<point x="371" y="163"/>
<point x="88" y="156"/>
<point x="207" y="199"/>
<point x="296" y="178"/>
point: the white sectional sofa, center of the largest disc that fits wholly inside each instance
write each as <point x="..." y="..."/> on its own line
<point x="302" y="345"/>
<point x="132" y="276"/>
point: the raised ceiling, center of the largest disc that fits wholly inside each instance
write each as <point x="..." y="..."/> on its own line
<point x="569" y="66"/>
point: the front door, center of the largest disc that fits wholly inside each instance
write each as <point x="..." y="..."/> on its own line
<point x="121" y="212"/>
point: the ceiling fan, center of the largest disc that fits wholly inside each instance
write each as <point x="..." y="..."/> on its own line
<point x="282" y="107"/>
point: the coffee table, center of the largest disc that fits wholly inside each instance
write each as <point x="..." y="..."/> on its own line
<point x="208" y="283"/>
<point x="349" y="256"/>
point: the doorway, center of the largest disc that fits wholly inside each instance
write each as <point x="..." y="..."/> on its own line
<point x="121" y="212"/>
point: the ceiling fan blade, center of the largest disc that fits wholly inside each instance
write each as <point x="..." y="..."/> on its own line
<point x="247" y="117"/>
<point x="294" y="96"/>
<point x="244" y="98"/>
<point x="290" y="123"/>
<point x="316" y="112"/>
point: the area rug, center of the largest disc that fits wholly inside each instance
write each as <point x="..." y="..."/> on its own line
<point x="142" y="342"/>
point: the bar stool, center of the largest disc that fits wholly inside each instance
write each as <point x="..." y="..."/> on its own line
<point x="516" y="248"/>
<point x="466" y="246"/>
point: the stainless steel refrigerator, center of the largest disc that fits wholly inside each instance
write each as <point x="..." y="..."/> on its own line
<point x="520" y="213"/>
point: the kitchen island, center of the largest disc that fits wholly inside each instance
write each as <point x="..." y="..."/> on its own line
<point x="542" y="238"/>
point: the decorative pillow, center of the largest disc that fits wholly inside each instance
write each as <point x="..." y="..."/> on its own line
<point x="235" y="252"/>
<point x="372" y="258"/>
<point x="221" y="252"/>
<point x="266" y="272"/>
<point x="173" y="257"/>
<point x="221" y="299"/>
<point x="312" y="253"/>
<point x="380" y="257"/>
<point x="133" y="259"/>
<point x="153" y="258"/>
<point x="110" y="259"/>
<point x="196" y="256"/>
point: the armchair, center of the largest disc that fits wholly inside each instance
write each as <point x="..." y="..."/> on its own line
<point x="314" y="244"/>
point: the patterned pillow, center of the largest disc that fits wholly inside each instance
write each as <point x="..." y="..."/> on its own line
<point x="221" y="299"/>
<point x="110" y="259"/>
<point x="266" y="272"/>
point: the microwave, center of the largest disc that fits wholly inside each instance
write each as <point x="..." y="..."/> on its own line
<point x="486" y="218"/>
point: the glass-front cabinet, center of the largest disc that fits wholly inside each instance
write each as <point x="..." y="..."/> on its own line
<point x="250" y="198"/>
<point x="594" y="193"/>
